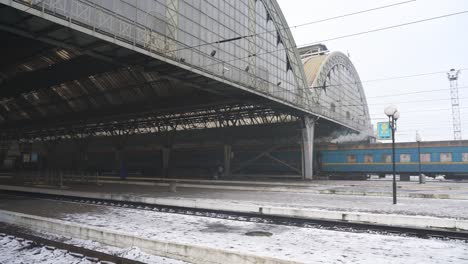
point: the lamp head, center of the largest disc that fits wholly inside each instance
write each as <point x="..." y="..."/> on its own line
<point x="390" y="110"/>
<point x="396" y="115"/>
<point x="418" y="137"/>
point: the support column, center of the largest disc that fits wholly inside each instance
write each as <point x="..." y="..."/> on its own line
<point x="81" y="159"/>
<point x="308" y="148"/>
<point x="166" y="154"/>
<point x="50" y="164"/>
<point x="120" y="162"/>
<point x="4" y="148"/>
<point x="24" y="148"/>
<point x="119" y="144"/>
<point x="227" y="160"/>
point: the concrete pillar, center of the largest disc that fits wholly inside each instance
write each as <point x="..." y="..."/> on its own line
<point x="81" y="157"/>
<point x="24" y="148"/>
<point x="83" y="165"/>
<point x="120" y="142"/>
<point x="227" y="160"/>
<point x="165" y="154"/>
<point x="120" y="162"/>
<point x="4" y="148"/>
<point x="308" y="148"/>
<point x="51" y="164"/>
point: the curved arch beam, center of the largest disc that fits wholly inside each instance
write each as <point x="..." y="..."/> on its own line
<point x="323" y="73"/>
<point x="291" y="48"/>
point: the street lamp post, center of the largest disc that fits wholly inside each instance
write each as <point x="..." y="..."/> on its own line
<point x="393" y="115"/>
<point x="418" y="139"/>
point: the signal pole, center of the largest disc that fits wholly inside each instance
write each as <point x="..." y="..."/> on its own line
<point x="453" y="78"/>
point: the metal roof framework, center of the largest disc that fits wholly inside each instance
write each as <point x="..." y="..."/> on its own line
<point x="98" y="88"/>
<point x="75" y="81"/>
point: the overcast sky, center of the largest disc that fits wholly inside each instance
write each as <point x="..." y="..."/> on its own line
<point x="427" y="47"/>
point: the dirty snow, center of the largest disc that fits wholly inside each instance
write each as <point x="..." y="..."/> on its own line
<point x="448" y="208"/>
<point x="13" y="251"/>
<point x="133" y="253"/>
<point x="306" y="245"/>
<point x="300" y="244"/>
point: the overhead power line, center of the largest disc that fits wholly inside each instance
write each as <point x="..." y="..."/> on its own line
<point x="347" y="36"/>
<point x="388" y="78"/>
<point x="389" y="27"/>
<point x="415" y="92"/>
<point x="404" y="102"/>
<point x="418" y="111"/>
<point x="351" y="14"/>
<point x="427" y="123"/>
<point x="410" y="76"/>
<point x="370" y="31"/>
<point x="420" y="101"/>
<point x="383" y="79"/>
<point x="296" y="26"/>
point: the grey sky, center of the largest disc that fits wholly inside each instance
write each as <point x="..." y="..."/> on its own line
<point x="422" y="48"/>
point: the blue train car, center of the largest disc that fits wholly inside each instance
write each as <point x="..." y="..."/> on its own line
<point x="449" y="158"/>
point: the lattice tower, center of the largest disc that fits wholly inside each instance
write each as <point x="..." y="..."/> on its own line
<point x="453" y="78"/>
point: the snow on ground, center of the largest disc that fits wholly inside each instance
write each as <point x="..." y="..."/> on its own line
<point x="410" y="206"/>
<point x="349" y="203"/>
<point x="133" y="253"/>
<point x="300" y="244"/>
<point x="13" y="251"/>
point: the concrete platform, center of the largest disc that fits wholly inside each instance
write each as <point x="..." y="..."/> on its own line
<point x="207" y="240"/>
<point x="432" y="189"/>
<point x="438" y="189"/>
<point x="413" y="212"/>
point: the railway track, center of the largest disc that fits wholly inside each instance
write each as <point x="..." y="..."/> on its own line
<point x="265" y="219"/>
<point x="31" y="241"/>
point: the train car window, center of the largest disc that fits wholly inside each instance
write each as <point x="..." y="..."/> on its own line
<point x="425" y="157"/>
<point x="446" y="157"/>
<point x="387" y="158"/>
<point x="405" y="158"/>
<point x="34" y="157"/>
<point x="368" y="158"/>
<point x="351" y="158"/>
<point x="465" y="157"/>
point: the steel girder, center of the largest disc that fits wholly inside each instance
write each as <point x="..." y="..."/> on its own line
<point x="153" y="122"/>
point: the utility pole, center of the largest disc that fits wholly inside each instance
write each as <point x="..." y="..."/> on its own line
<point x="453" y="78"/>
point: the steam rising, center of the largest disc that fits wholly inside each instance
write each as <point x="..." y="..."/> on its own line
<point x="338" y="137"/>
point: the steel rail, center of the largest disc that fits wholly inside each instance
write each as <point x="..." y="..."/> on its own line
<point x="75" y="251"/>
<point x="335" y="225"/>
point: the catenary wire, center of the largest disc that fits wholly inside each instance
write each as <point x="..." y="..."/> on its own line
<point x="345" y="36"/>
<point x="415" y="92"/>
<point x="296" y="26"/>
<point x="381" y="117"/>
<point x="405" y="102"/>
